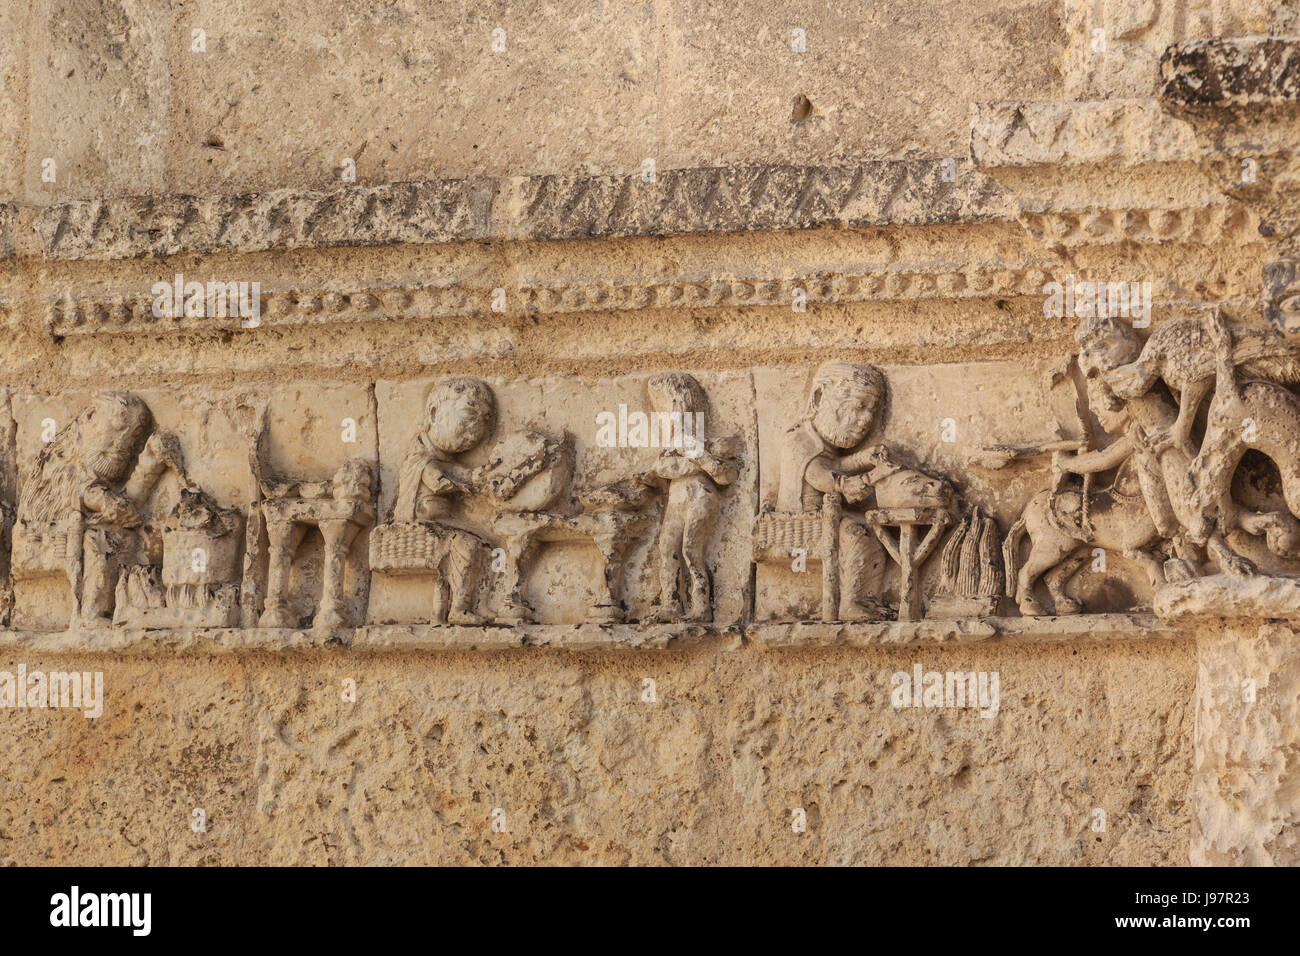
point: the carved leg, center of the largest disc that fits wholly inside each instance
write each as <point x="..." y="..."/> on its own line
<point x="1184" y="565"/>
<point x="695" y="540"/>
<point x="909" y="596"/>
<point x="441" y="600"/>
<point x="250" y="587"/>
<point x="464" y="566"/>
<point x="1149" y="563"/>
<point x="520" y="551"/>
<point x="1230" y="562"/>
<point x="832" y="508"/>
<point x="338" y="534"/>
<point x="283" y="539"/>
<point x="1042" y="558"/>
<point x="1057" y="578"/>
<point x="608" y="609"/>
<point x="98" y="580"/>
<point x="671" y="545"/>
<point x="76" y="547"/>
<point x="1212" y="472"/>
<point x="1290" y="474"/>
<point x="862" y="568"/>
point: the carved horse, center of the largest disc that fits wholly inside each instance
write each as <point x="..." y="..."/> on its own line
<point x="1061" y="539"/>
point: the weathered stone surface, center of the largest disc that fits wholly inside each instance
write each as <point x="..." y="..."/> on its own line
<point x="544" y="207"/>
<point x="1237" y="72"/>
<point x="1222" y="597"/>
<point x="585" y="771"/>
<point x="426" y="89"/>
<point x="1121" y="132"/>
<point x="984" y="328"/>
<point x="1243" y="785"/>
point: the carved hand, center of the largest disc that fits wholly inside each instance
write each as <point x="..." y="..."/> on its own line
<point x="117" y="509"/>
<point x="854" y="488"/>
<point x="165" y="447"/>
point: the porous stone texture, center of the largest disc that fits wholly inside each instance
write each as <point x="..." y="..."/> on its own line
<point x="586" y="772"/>
<point x="1244" y="783"/>
<point x="367" y="583"/>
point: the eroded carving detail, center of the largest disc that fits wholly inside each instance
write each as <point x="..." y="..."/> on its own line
<point x="83" y="516"/>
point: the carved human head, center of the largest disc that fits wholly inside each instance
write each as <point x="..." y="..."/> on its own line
<point x="845" y="401"/>
<point x="461" y="412"/>
<point x="676" y="392"/>
<point x="1105" y="344"/>
<point x="1282" y="295"/>
<point x="112" y="430"/>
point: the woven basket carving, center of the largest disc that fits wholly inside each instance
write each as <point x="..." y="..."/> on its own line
<point x="405" y="546"/>
<point x="777" y="533"/>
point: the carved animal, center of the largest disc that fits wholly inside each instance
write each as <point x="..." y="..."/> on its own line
<point x="1182" y="353"/>
<point x="1118" y="519"/>
<point x="1273" y="414"/>
<point x="897" y="486"/>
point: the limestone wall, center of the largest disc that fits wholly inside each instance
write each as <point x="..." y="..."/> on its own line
<point x="900" y="193"/>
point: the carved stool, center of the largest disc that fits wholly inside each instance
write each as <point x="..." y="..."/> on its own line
<point x="287" y="521"/>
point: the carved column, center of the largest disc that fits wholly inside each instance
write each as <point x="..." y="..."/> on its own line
<point x="338" y="534"/>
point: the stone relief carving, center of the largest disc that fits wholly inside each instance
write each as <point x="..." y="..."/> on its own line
<point x="83" y="516"/>
<point x="827" y="470"/>
<point x="526" y="498"/>
<point x="1171" y="505"/>
<point x="420" y="535"/>
<point x="692" y="478"/>
<point x="340" y="508"/>
<point x="1182" y="460"/>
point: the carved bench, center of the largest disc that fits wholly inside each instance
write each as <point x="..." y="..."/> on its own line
<point x="778" y="534"/>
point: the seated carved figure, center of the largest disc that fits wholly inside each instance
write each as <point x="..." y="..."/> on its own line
<point x="527" y="472"/>
<point x="421" y="534"/>
<point x="78" y="508"/>
<point x="819" y="472"/>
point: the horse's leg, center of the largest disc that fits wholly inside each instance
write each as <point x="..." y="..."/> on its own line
<point x="1044" y="555"/>
<point x="1290" y="472"/>
<point x="1212" y="477"/>
<point x="1056" y="580"/>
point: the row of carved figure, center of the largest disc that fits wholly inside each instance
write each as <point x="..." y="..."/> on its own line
<point x="1180" y="410"/>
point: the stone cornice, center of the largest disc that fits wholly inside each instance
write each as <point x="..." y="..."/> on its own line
<point x="311" y="306"/>
<point x="1033" y="133"/>
<point x="676" y="202"/>
<point x="1120" y="626"/>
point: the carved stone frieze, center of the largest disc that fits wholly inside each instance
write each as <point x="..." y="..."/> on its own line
<point x="465" y="503"/>
<point x="1117" y="132"/>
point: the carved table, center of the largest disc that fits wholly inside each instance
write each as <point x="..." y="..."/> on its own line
<point x="907" y="552"/>
<point x="287" y="520"/>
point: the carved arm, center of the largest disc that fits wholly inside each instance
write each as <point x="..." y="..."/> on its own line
<point x="1090" y="462"/>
